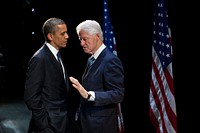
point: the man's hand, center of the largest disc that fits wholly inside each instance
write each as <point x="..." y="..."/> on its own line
<point x="79" y="87"/>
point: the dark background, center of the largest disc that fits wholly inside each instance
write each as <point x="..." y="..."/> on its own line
<point x="132" y="22"/>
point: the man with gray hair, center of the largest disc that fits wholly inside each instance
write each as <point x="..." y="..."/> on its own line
<point x="102" y="86"/>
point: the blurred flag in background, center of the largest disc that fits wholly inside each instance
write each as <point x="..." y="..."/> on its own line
<point x="109" y="41"/>
<point x="162" y="109"/>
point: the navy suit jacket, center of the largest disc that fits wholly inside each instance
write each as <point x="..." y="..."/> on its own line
<point x="106" y="79"/>
<point x="46" y="93"/>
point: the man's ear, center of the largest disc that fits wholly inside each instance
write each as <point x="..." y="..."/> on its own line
<point x="49" y="36"/>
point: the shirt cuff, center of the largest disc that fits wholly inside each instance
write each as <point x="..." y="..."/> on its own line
<point x="92" y="97"/>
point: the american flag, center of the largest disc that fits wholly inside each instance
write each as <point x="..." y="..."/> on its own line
<point x="109" y="37"/>
<point x="109" y="41"/>
<point x="161" y="98"/>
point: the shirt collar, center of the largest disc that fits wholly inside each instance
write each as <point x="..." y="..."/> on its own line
<point x="52" y="49"/>
<point x="99" y="50"/>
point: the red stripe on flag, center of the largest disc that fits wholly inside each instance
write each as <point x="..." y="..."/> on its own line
<point x="162" y="101"/>
<point x="162" y="112"/>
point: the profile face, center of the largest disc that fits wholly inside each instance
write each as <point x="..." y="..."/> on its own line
<point x="88" y="42"/>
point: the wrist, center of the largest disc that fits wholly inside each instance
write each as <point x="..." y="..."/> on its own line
<point x="89" y="95"/>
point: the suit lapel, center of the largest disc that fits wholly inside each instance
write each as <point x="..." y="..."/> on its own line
<point x="96" y="64"/>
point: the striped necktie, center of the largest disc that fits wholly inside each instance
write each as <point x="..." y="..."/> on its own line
<point x="89" y="64"/>
<point x="90" y="61"/>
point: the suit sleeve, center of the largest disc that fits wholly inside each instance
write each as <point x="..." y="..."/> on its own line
<point x="33" y="89"/>
<point x="113" y="82"/>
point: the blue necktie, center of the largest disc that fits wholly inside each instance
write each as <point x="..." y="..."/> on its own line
<point x="90" y="61"/>
<point x="89" y="64"/>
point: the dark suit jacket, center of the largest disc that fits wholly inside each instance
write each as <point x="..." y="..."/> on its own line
<point x="46" y="94"/>
<point x="106" y="78"/>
